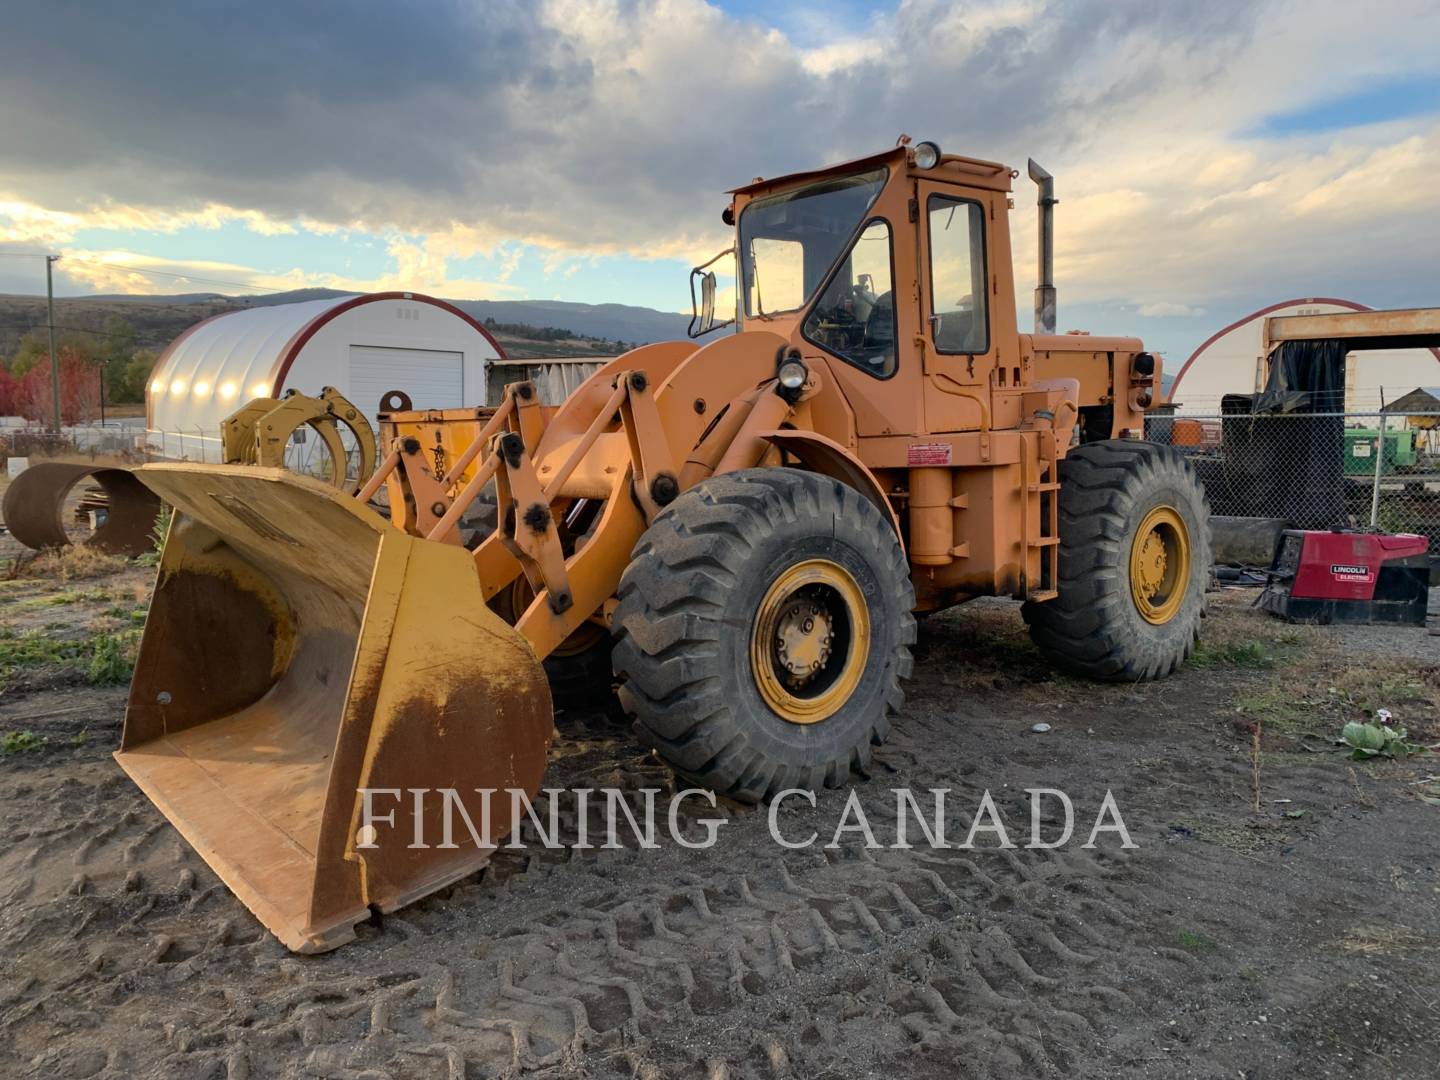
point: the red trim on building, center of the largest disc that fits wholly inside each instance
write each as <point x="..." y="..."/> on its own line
<point x="310" y="329"/>
<point x="1252" y="316"/>
<point x="1266" y="311"/>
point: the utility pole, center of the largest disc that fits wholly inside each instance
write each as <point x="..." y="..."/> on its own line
<point x="50" y="261"/>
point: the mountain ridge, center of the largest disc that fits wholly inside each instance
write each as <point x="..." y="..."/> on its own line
<point x="613" y="321"/>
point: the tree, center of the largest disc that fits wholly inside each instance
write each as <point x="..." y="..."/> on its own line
<point x="79" y="389"/>
<point x="127" y="369"/>
<point x="9" y="394"/>
<point x="35" y="349"/>
<point x="118" y="343"/>
<point x="125" y="379"/>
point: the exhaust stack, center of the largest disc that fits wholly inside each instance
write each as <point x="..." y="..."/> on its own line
<point x="1045" y="286"/>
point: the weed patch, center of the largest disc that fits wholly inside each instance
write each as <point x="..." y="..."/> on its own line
<point x="1195" y="942"/>
<point x="20" y="742"/>
<point x="74" y="563"/>
<point x="31" y="650"/>
<point x="104" y="659"/>
<point x="112" y="659"/>
<point x="1248" y="654"/>
<point x="158" y="532"/>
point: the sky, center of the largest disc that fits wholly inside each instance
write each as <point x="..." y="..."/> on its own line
<point x="1210" y="158"/>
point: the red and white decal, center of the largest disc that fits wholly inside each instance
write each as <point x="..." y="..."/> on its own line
<point x="1347" y="572"/>
<point x="920" y="455"/>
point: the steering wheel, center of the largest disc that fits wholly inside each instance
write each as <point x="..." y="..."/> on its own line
<point x="883" y="306"/>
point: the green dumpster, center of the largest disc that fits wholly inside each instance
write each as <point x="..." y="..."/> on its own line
<point x="1360" y="448"/>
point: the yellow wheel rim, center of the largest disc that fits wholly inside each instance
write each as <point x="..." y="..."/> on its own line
<point x="809" y="641"/>
<point x="1160" y="565"/>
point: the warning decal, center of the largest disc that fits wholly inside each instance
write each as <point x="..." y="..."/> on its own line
<point x="918" y="455"/>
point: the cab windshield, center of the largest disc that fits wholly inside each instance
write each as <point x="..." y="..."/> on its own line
<point x="789" y="242"/>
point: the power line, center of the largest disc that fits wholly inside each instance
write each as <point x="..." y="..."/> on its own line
<point x="126" y="267"/>
<point x="169" y="274"/>
<point x="58" y="326"/>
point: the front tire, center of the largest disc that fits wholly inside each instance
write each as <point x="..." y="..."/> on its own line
<point x="1134" y="563"/>
<point x="763" y="631"/>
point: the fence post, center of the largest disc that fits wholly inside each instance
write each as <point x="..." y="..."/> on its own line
<point x="1379" y="468"/>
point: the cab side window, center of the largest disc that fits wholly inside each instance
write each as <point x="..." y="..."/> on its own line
<point x="959" y="321"/>
<point x="855" y="315"/>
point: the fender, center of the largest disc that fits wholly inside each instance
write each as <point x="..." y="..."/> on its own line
<point x="828" y="457"/>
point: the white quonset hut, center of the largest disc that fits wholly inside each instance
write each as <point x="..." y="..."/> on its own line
<point x="364" y="346"/>
<point x="1229" y="362"/>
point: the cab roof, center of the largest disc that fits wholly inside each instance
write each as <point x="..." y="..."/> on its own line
<point x="976" y="171"/>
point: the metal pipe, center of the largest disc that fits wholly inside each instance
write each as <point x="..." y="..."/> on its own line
<point x="1045" y="285"/>
<point x="587" y="440"/>
<point x="366" y="493"/>
<point x="463" y="500"/>
<point x="932" y="516"/>
<point x="55" y="419"/>
<point x="747" y="448"/>
<point x="1379" y="468"/>
<point x="481" y="441"/>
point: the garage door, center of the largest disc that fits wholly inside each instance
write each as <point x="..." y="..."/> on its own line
<point x="433" y="379"/>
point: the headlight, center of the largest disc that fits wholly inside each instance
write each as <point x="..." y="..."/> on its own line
<point x="927" y="155"/>
<point x="792" y="374"/>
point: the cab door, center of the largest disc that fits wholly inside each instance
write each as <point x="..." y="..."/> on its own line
<point x="957" y="288"/>
<point x="875" y="370"/>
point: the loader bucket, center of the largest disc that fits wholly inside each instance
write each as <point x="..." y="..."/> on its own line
<point x="300" y="650"/>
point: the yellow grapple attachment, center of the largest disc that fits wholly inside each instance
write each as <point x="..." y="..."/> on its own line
<point x="300" y="649"/>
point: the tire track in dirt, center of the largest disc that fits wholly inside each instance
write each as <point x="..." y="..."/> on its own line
<point x="124" y="956"/>
<point x="631" y="962"/>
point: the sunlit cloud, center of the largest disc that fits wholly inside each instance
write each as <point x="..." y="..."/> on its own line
<point x="22" y="220"/>
<point x="118" y="271"/>
<point x="1164" y="309"/>
<point x="528" y="147"/>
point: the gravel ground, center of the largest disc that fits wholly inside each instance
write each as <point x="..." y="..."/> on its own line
<point x="1296" y="939"/>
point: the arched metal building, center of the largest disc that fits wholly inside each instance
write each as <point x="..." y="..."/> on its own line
<point x="363" y="346"/>
<point x="1229" y="362"/>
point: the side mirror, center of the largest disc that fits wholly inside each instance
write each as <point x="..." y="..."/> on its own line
<point x="702" y="308"/>
<point x="707" y="300"/>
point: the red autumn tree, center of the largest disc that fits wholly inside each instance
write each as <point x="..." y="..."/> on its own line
<point x="9" y="394"/>
<point x="79" y="390"/>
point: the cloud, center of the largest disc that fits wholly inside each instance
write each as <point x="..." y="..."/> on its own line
<point x="584" y="128"/>
<point x="579" y="124"/>
<point x="1164" y="309"/>
<point x="118" y="271"/>
<point x="1354" y="218"/>
<point x="23" y="221"/>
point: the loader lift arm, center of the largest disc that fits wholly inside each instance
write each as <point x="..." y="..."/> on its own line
<point x="621" y="449"/>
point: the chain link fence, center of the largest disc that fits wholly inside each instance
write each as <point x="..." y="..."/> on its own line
<point x="1316" y="470"/>
<point x="306" y="453"/>
<point x="1311" y="470"/>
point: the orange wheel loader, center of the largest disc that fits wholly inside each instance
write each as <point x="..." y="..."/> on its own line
<point x="737" y="534"/>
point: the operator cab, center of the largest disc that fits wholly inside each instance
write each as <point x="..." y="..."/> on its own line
<point x="798" y="244"/>
<point x="817" y="253"/>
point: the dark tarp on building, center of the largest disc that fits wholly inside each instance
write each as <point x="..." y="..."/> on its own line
<point x="1285" y="447"/>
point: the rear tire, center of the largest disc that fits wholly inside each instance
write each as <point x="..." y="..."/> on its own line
<point x="1128" y="610"/>
<point x="742" y="582"/>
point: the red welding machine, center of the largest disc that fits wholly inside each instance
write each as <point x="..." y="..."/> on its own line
<point x="1342" y="576"/>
